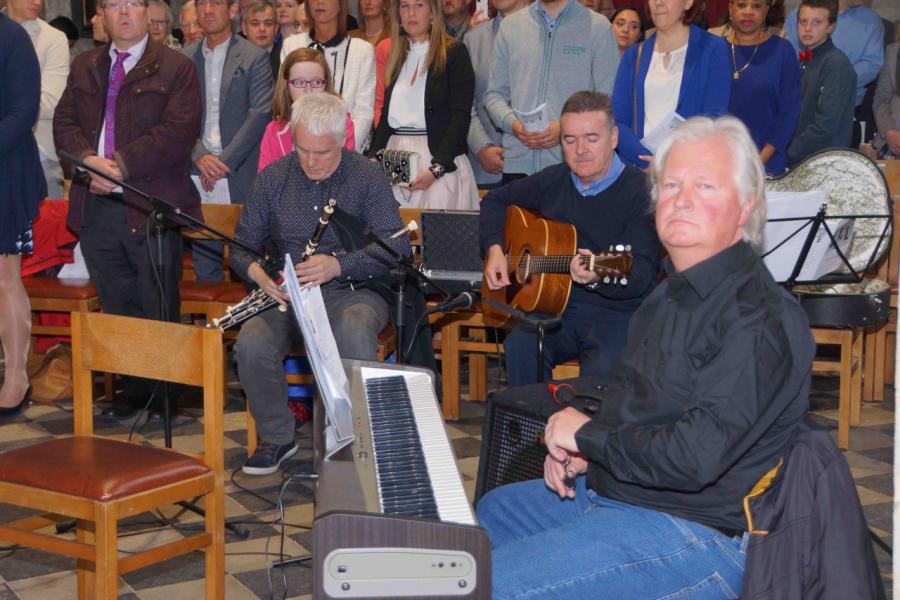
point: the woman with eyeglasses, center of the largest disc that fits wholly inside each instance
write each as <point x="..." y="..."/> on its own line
<point x="679" y="70"/>
<point x="765" y="84"/>
<point x="430" y="85"/>
<point x="303" y="71"/>
<point x="351" y="61"/>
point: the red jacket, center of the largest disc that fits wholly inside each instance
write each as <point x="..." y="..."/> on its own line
<point x="158" y="118"/>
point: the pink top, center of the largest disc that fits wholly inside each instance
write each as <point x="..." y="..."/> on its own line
<point x="277" y="142"/>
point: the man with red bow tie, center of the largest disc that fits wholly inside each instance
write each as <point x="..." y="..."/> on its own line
<point x="828" y="84"/>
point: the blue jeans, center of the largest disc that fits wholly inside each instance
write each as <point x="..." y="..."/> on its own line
<point x="593" y="335"/>
<point x="594" y="547"/>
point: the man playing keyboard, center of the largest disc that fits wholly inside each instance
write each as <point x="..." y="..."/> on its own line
<point x="702" y="403"/>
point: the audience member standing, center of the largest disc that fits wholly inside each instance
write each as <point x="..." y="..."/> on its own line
<point x="680" y="69"/>
<point x="190" y="24"/>
<point x="52" y="50"/>
<point x="543" y="55"/>
<point x="826" y="106"/>
<point x="859" y="34"/>
<point x="887" y="103"/>
<point x="159" y="17"/>
<point x="428" y="107"/>
<point x="237" y="105"/>
<point x="456" y="18"/>
<point x="375" y="25"/>
<point x="485" y="137"/>
<point x="22" y="187"/>
<point x="626" y="23"/>
<point x="286" y="15"/>
<point x="260" y="27"/>
<point x="765" y="85"/>
<point x="107" y="118"/>
<point x="305" y="71"/>
<point x="351" y="61"/>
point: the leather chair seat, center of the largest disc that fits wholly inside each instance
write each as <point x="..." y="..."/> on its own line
<point x="96" y="468"/>
<point x="63" y="289"/>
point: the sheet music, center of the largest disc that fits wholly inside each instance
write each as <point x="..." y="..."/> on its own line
<point x="321" y="350"/>
<point x="652" y="140"/>
<point x="822" y="258"/>
<point x="220" y="194"/>
<point x="535" y="120"/>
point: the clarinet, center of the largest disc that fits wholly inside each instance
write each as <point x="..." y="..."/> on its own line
<point x="258" y="300"/>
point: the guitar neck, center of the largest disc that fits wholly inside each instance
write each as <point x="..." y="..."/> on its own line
<point x="550" y="264"/>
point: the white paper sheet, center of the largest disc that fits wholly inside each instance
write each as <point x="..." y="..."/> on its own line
<point x="822" y="258"/>
<point x="218" y="195"/>
<point x="653" y="139"/>
<point x="534" y="120"/>
<point x="321" y="350"/>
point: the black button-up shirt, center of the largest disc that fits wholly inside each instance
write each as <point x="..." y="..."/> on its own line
<point x="706" y="394"/>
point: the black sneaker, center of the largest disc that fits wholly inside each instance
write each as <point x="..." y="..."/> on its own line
<point x="267" y="457"/>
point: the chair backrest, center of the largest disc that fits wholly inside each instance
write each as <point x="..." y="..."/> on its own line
<point x="223" y="217"/>
<point x="156" y="350"/>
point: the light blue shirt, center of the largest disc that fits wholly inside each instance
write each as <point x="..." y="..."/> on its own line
<point x="859" y="34"/>
<point x="598" y="185"/>
<point x="551" y="23"/>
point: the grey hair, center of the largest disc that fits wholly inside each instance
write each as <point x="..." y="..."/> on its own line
<point x="189" y="5"/>
<point x="321" y="114"/>
<point x="165" y="7"/>
<point x="749" y="175"/>
<point x="257" y="6"/>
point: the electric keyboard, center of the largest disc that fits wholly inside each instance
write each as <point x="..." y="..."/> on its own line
<point x="392" y="518"/>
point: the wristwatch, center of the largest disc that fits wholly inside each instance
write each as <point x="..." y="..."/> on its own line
<point x="437" y="170"/>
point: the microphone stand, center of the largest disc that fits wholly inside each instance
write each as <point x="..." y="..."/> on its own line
<point x="161" y="209"/>
<point x="540" y="324"/>
<point x="404" y="267"/>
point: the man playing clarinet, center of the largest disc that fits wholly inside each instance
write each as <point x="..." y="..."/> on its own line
<point x="284" y="206"/>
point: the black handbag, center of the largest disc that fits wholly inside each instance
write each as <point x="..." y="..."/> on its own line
<point x="400" y="166"/>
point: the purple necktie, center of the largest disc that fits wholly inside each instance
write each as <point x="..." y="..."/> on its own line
<point x="116" y="78"/>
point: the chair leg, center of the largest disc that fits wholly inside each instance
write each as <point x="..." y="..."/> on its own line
<point x="477" y="368"/>
<point x="215" y="552"/>
<point x="251" y="432"/>
<point x="844" y="394"/>
<point x="870" y="364"/>
<point x="84" y="568"/>
<point x="450" y="370"/>
<point x="107" y="557"/>
<point x="856" y="378"/>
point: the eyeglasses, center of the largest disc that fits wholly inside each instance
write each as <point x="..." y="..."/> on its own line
<point x="158" y="23"/>
<point x="200" y="4"/>
<point x="128" y="4"/>
<point x="302" y="83"/>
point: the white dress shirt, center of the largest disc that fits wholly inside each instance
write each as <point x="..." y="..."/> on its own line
<point x="214" y="63"/>
<point x="52" y="50"/>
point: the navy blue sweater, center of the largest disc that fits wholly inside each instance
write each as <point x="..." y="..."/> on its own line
<point x="620" y="214"/>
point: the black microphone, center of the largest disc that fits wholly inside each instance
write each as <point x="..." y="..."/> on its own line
<point x="463" y="300"/>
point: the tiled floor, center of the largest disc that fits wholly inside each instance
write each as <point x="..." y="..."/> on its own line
<point x="30" y="575"/>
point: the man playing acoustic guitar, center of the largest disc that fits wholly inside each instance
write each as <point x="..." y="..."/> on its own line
<point x="608" y="203"/>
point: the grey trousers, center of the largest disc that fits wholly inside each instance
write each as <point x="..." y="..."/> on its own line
<point x="356" y="318"/>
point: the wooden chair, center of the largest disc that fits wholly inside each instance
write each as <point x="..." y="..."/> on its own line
<point x="99" y="481"/>
<point x="207" y="298"/>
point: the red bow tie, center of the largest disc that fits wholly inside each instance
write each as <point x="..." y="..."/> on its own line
<point x="805" y="55"/>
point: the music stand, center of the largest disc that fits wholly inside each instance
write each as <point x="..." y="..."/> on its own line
<point x="539" y="324"/>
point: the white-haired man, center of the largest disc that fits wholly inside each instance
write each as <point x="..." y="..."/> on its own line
<point x="284" y="205"/>
<point x="190" y="23"/>
<point x="703" y="402"/>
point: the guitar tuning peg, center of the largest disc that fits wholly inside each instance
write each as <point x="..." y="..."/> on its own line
<point x="610" y="247"/>
<point x="628" y="247"/>
<point x="624" y="281"/>
<point x="615" y="280"/>
<point x="606" y="279"/>
<point x="620" y="248"/>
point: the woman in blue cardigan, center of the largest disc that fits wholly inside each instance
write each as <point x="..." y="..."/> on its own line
<point x="679" y="68"/>
<point x="22" y="186"/>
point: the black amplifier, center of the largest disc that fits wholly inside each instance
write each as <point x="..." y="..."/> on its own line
<point x="512" y="440"/>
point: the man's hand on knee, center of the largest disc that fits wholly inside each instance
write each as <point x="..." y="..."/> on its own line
<point x="560" y="475"/>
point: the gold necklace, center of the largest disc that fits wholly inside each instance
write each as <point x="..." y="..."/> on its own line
<point x="737" y="72"/>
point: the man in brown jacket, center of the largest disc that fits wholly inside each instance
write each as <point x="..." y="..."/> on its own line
<point x="131" y="108"/>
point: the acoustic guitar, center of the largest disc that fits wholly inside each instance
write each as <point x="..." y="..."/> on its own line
<point x="538" y="253"/>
